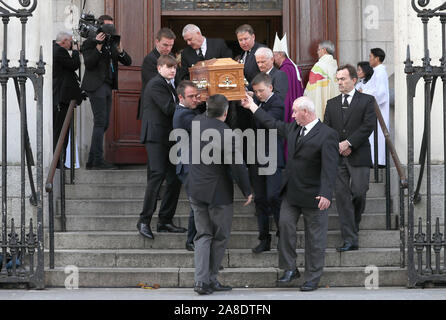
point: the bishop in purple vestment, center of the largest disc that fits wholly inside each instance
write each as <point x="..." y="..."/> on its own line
<point x="295" y="87"/>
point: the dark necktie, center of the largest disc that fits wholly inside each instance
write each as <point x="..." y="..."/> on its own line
<point x="301" y="135"/>
<point x="174" y="94"/>
<point x="200" y="55"/>
<point x="345" y="106"/>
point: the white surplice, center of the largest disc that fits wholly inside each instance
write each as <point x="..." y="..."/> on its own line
<point x="378" y="86"/>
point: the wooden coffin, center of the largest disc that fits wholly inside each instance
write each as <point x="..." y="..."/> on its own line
<point x="219" y="76"/>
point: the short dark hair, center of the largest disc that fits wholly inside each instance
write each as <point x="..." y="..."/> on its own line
<point x="167" y="60"/>
<point x="165" y="33"/>
<point x="262" y="78"/>
<point x="216" y="106"/>
<point x="378" y="52"/>
<point x="104" y="17"/>
<point x="351" y="70"/>
<point x="367" y="69"/>
<point x="181" y="88"/>
<point x="245" y="28"/>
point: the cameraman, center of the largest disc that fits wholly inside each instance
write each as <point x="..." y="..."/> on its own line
<point x="101" y="56"/>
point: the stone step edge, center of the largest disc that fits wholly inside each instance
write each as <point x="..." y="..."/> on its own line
<point x="179" y="200"/>
<point x="225" y="270"/>
<point x="123" y="233"/>
<point x="184" y="251"/>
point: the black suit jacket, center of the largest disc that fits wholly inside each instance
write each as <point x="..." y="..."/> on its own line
<point x="65" y="79"/>
<point x="159" y="104"/>
<point x="358" y="125"/>
<point x="149" y="67"/>
<point x="213" y="183"/>
<point x="149" y="70"/>
<point x="97" y="65"/>
<point x="275" y="107"/>
<point x="280" y="83"/>
<point x="312" y="163"/>
<point x="216" y="48"/>
<point x="251" y="68"/>
<point x="182" y="119"/>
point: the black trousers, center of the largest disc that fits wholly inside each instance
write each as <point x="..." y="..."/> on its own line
<point x="159" y="169"/>
<point x="267" y="199"/>
<point x="59" y="114"/>
<point x="101" y="103"/>
<point x="191" y="229"/>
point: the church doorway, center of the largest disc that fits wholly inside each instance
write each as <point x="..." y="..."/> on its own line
<point x="224" y="27"/>
<point x="306" y="22"/>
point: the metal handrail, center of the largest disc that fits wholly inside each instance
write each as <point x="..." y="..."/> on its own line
<point x="58" y="156"/>
<point x="392" y="150"/>
<point x="59" y="147"/>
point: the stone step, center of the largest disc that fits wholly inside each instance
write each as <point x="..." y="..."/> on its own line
<point x="132" y="176"/>
<point x="246" y="222"/>
<point x="234" y="258"/>
<point x="238" y="240"/>
<point x="132" y="207"/>
<point x="235" y="277"/>
<point x="136" y="191"/>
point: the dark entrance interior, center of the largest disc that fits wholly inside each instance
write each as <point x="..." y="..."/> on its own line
<point x="224" y="27"/>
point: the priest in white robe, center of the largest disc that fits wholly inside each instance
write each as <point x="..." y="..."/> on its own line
<point x="378" y="86"/>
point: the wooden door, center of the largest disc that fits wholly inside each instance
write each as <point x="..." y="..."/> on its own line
<point x="136" y="21"/>
<point x="306" y="22"/>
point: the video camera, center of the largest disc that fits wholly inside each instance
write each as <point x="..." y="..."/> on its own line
<point x="89" y="27"/>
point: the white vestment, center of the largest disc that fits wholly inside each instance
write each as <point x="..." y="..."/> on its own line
<point x="378" y="86"/>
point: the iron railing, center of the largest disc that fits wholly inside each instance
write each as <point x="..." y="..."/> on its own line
<point x="21" y="248"/>
<point x="420" y="271"/>
<point x="59" y="156"/>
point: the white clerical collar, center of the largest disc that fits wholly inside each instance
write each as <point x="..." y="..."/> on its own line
<point x="270" y="70"/>
<point x="310" y="126"/>
<point x="380" y="66"/>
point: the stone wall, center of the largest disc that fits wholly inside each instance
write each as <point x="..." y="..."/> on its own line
<point x="363" y="25"/>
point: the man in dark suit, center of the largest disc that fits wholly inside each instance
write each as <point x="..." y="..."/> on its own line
<point x="101" y="77"/>
<point x="265" y="61"/>
<point x="352" y="115"/>
<point x="160" y="100"/>
<point x="164" y="41"/>
<point x="65" y="81"/>
<point x="210" y="188"/>
<point x="267" y="187"/>
<point x="200" y="48"/>
<point x="307" y="187"/>
<point x="185" y="112"/>
<point x="247" y="41"/>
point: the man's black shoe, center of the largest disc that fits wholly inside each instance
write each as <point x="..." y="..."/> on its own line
<point x="169" y="227"/>
<point x="307" y="287"/>
<point x="144" y="230"/>
<point x="221" y="267"/>
<point x="265" y="245"/>
<point x="89" y="166"/>
<point x="104" y="165"/>
<point x="289" y="275"/>
<point x="190" y="246"/>
<point x="217" y="286"/>
<point x="347" y="247"/>
<point x="202" y="288"/>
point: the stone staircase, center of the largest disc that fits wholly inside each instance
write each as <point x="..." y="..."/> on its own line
<point x="102" y="241"/>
